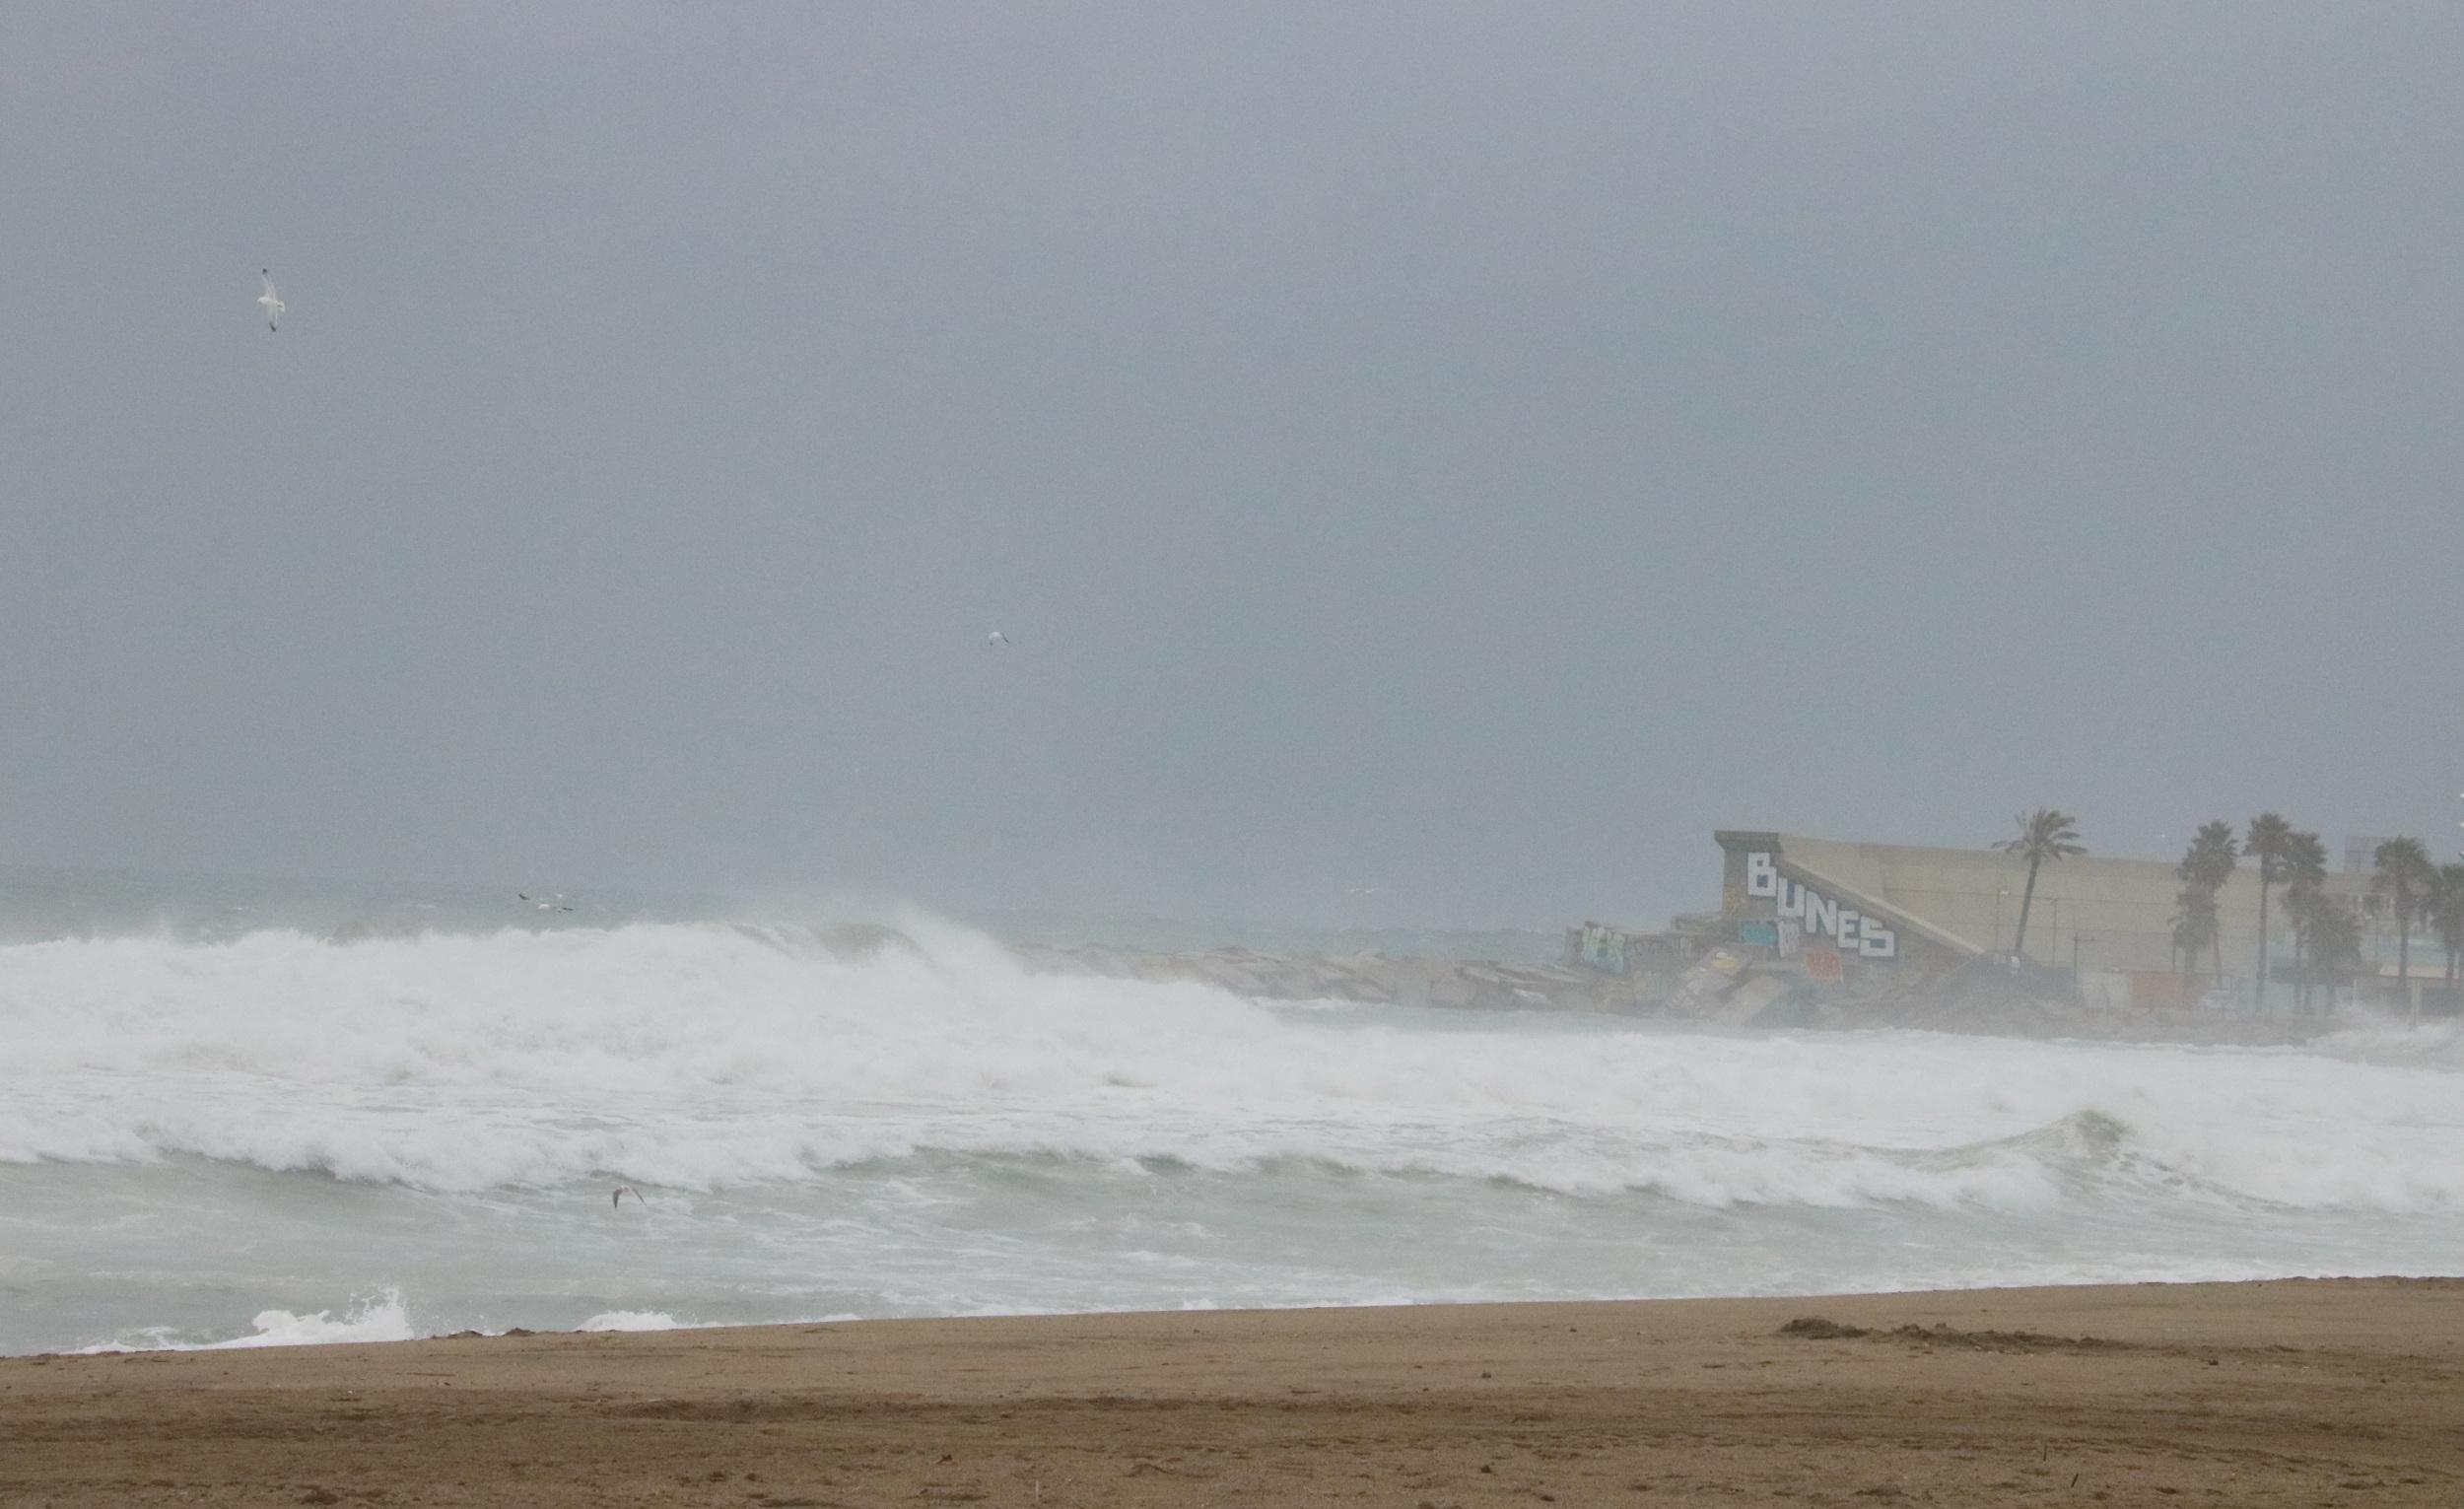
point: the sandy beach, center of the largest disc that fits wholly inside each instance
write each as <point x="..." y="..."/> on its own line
<point x="2302" y="1392"/>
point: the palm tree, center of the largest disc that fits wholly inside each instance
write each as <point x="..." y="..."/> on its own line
<point x="2406" y="874"/>
<point x="2446" y="918"/>
<point x="2335" y="938"/>
<point x="2206" y="867"/>
<point x="2305" y="882"/>
<point x="2304" y="909"/>
<point x="2265" y="843"/>
<point x="2044" y="834"/>
<point x="2195" y="925"/>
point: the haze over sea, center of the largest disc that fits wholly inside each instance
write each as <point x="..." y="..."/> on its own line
<point x="253" y="1111"/>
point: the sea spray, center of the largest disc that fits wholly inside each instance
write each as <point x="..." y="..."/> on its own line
<point x="194" y="1130"/>
<point x="380" y="1317"/>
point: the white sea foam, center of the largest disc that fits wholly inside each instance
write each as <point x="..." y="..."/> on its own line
<point x="379" y="1317"/>
<point x="195" y="1131"/>
<point x="712" y="1056"/>
<point x="633" y="1320"/>
<point x="382" y="1319"/>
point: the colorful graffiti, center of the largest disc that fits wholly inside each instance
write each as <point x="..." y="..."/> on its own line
<point x="1603" y="948"/>
<point x="1820" y="916"/>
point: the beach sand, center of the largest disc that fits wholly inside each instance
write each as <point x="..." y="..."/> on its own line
<point x="2297" y="1393"/>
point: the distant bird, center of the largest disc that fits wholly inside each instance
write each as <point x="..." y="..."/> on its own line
<point x="996" y="637"/>
<point x="544" y="906"/>
<point x="272" y="301"/>
<point x="623" y="1189"/>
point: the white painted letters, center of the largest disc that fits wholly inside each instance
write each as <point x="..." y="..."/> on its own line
<point x="1821" y="914"/>
<point x="1823" y="917"/>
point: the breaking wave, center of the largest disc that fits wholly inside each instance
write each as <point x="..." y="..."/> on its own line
<point x="380" y="1317"/>
<point x="703" y="1056"/>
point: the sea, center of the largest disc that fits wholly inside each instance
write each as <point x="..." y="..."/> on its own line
<point x="240" y="1113"/>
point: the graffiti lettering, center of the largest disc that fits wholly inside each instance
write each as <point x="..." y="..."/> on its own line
<point x="1823" y="917"/>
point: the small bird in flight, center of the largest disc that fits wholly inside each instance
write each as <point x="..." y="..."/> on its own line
<point x="272" y="301"/>
<point x="623" y="1189"/>
<point x="544" y="906"/>
<point x="996" y="637"/>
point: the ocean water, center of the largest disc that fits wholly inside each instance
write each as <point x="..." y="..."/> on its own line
<point x="242" y="1116"/>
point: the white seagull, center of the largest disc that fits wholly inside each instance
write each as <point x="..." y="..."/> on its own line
<point x="996" y="637"/>
<point x="272" y="301"/>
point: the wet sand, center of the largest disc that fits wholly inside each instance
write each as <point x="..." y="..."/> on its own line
<point x="2300" y="1393"/>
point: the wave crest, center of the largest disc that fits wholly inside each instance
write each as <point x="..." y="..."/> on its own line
<point x="702" y="1057"/>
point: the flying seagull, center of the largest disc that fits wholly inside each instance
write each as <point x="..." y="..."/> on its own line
<point x="545" y="906"/>
<point x="272" y="301"/>
<point x="623" y="1189"/>
<point x="996" y="637"/>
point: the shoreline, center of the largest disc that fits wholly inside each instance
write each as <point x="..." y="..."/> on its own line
<point x="2276" y="1392"/>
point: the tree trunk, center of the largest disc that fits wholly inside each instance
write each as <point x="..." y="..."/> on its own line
<point x="2019" y="940"/>
<point x="2404" y="968"/>
<point x="2262" y="971"/>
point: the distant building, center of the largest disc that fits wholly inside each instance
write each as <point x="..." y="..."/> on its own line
<point x="1845" y="908"/>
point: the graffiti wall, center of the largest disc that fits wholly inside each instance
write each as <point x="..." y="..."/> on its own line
<point x="1822" y="916"/>
<point x="1602" y="948"/>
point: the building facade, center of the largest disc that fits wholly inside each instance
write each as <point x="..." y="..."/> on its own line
<point x="1844" y="908"/>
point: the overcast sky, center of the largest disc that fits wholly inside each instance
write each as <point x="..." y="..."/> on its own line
<point x="1472" y="451"/>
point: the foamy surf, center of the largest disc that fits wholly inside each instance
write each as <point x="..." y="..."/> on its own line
<point x="910" y="1123"/>
<point x="634" y="1319"/>
<point x="375" y="1318"/>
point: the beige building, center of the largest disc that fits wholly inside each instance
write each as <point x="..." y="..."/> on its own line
<point x="2089" y="914"/>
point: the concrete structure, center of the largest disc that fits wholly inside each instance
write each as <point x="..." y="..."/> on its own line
<point x="2090" y="916"/>
<point x="1370" y="978"/>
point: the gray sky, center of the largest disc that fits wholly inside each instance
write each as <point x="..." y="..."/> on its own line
<point x="1471" y="450"/>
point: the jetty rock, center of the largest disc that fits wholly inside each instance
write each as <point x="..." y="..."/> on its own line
<point x="1374" y="979"/>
